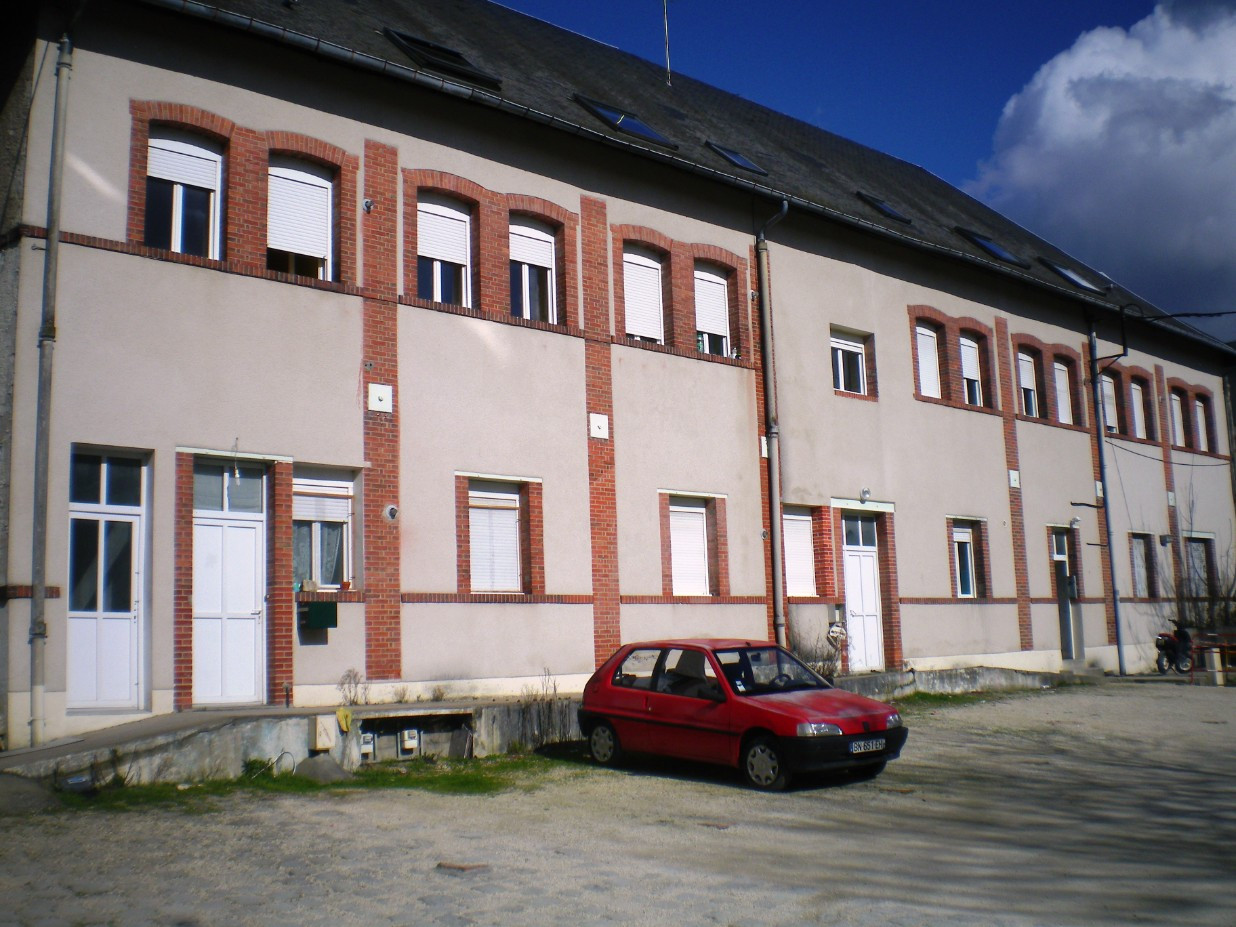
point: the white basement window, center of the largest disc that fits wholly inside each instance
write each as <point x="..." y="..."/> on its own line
<point x="321" y="532"/>
<point x="799" y="553"/>
<point x="493" y="537"/>
<point x="689" y="545"/>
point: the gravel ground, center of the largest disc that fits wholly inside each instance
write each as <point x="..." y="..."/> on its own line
<point x="1112" y="805"/>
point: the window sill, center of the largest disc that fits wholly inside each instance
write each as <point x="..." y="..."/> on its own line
<point x="340" y="595"/>
<point x="1053" y="423"/>
<point x="847" y="394"/>
<point x="692" y="600"/>
<point x="692" y="353"/>
<point x="953" y="404"/>
<point x="489" y="316"/>
<point x="491" y="598"/>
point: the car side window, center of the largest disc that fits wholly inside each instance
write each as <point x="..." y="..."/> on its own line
<point x="688" y="673"/>
<point x="635" y="672"/>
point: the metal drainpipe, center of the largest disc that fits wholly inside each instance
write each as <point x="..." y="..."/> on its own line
<point x="1100" y="426"/>
<point x="42" y="426"/>
<point x="771" y="428"/>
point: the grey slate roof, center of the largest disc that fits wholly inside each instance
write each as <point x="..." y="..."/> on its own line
<point x="542" y="68"/>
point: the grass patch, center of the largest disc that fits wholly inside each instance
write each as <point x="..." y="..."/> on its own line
<point x="483" y="776"/>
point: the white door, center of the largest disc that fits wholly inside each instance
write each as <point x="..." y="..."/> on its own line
<point x="862" y="595"/>
<point x="104" y="611"/>
<point x="228" y="640"/>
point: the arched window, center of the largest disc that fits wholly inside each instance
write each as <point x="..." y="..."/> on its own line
<point x="184" y="176"/>
<point x="300" y="220"/>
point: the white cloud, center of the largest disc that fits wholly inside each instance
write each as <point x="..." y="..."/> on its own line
<point x="1122" y="151"/>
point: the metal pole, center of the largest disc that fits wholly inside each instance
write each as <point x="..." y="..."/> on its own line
<point x="42" y="426"/>
<point x="1100" y="426"/>
<point x="771" y="427"/>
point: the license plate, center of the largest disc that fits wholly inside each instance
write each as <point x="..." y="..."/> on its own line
<point x="866" y="746"/>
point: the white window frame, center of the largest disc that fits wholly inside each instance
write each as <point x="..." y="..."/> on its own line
<point x="186" y="159"/>
<point x="1111" y="410"/>
<point x="712" y="311"/>
<point x="927" y="348"/>
<point x="1065" y="534"/>
<point x="533" y="244"/>
<point x="799" y="550"/>
<point x="1064" y="392"/>
<point x="495" y="524"/>
<point x="1178" y="425"/>
<point x="1137" y="396"/>
<point x="643" y="296"/>
<point x="300" y="210"/>
<point x="1201" y="421"/>
<point x="1028" y="380"/>
<point x="971" y="371"/>
<point x="443" y="242"/>
<point x="317" y="501"/>
<point x="963" y="560"/>
<point x="842" y="345"/>
<point x="688" y="528"/>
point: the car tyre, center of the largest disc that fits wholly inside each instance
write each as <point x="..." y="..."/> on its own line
<point x="603" y="744"/>
<point x="763" y="765"/>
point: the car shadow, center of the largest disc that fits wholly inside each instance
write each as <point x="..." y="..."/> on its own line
<point x="576" y="751"/>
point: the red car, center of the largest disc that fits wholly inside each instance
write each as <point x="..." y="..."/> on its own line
<point x="748" y="704"/>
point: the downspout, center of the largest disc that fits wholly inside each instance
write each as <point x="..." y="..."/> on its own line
<point x="42" y="425"/>
<point x="1100" y="428"/>
<point x="771" y="429"/>
<point x="1231" y="422"/>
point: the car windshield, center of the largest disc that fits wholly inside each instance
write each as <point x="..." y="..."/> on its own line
<point x="759" y="670"/>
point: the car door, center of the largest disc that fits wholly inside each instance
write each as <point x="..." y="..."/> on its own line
<point x="626" y="699"/>
<point x="688" y="708"/>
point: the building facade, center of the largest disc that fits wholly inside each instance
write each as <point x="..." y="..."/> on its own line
<point x="386" y="350"/>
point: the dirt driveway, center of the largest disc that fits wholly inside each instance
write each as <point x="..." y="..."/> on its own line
<point x="1112" y="804"/>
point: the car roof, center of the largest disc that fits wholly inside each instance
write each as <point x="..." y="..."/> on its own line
<point x="705" y="643"/>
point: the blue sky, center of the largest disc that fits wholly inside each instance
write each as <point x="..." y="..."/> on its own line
<point x="1107" y="126"/>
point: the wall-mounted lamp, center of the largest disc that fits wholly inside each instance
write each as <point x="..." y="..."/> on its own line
<point x="368" y="204"/>
<point x="864" y="494"/>
<point x="1075" y="523"/>
<point x="1165" y="540"/>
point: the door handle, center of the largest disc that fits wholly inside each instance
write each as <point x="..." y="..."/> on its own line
<point x="255" y="612"/>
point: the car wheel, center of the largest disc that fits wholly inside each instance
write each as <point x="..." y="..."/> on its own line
<point x="1161" y="663"/>
<point x="603" y="744"/>
<point x="763" y="766"/>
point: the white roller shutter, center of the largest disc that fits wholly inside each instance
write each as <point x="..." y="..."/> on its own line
<point x="1203" y="427"/>
<point x="442" y="230"/>
<point x="712" y="305"/>
<point x="183" y="161"/>
<point x="1107" y="387"/>
<point x="321" y="500"/>
<point x="1138" y="408"/>
<point x="641" y="276"/>
<point x="493" y="536"/>
<point x="532" y="245"/>
<point x="969" y="359"/>
<point x="298" y="208"/>
<point x="1064" y="395"/>
<point x="689" y="547"/>
<point x="928" y="362"/>
<point x="799" y="557"/>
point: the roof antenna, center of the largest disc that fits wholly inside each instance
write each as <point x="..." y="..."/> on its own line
<point x="665" y="13"/>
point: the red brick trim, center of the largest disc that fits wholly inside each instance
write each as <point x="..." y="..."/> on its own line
<point x="486" y="315"/>
<point x="19" y="591"/>
<point x="814" y="600"/>
<point x="1017" y="513"/>
<point x="620" y="237"/>
<point x="1169" y="473"/>
<point x="491" y="598"/>
<point x="143" y="114"/>
<point x="280" y="603"/>
<point x="463" y="536"/>
<point x="954" y="600"/>
<point x="718" y="546"/>
<point x="822" y="541"/>
<point x="949" y="331"/>
<point x="1190" y="394"/>
<point x="566" y="226"/>
<point x="490" y="230"/>
<point x="380" y="337"/>
<point x="347" y="169"/>
<point x="736" y="273"/>
<point x="350" y="595"/>
<point x="982" y="561"/>
<point x="1096" y="435"/>
<point x="182" y="584"/>
<point x="599" y="398"/>
<point x="693" y="600"/>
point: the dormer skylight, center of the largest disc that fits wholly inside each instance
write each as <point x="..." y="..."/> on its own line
<point x="442" y="60"/>
<point x="1069" y="274"/>
<point x="994" y="248"/>
<point x="617" y="118"/>
<point x="737" y="159"/>
<point x="882" y="207"/>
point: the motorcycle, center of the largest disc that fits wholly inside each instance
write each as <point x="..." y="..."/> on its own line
<point x="1175" y="650"/>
